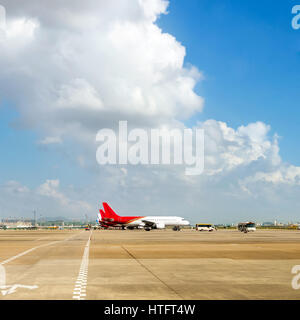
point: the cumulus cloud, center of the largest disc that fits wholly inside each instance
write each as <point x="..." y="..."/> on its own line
<point x="87" y="66"/>
<point x="50" y="189"/>
<point x="20" y="30"/>
<point x="79" y="94"/>
<point x="227" y="149"/>
<point x="284" y="174"/>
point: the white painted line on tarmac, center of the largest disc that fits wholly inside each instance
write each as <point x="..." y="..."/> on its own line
<point x="25" y="252"/>
<point x="35" y="248"/>
<point x="79" y="292"/>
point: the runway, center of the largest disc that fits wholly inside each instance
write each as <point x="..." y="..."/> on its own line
<point x="160" y="264"/>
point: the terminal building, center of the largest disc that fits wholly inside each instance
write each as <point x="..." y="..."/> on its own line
<point x="12" y="223"/>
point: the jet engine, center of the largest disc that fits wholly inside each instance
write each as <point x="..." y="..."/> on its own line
<point x="160" y="225"/>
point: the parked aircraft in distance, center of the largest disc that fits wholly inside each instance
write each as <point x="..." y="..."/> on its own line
<point x="108" y="218"/>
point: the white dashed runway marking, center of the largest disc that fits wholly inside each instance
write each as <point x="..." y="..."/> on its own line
<point x="79" y="292"/>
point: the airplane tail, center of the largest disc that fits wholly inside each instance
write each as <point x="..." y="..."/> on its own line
<point x="109" y="211"/>
<point x="100" y="216"/>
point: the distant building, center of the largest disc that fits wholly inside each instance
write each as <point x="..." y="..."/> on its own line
<point x="17" y="223"/>
<point x="267" y="224"/>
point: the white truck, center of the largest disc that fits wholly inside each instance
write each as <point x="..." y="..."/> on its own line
<point x="205" y="227"/>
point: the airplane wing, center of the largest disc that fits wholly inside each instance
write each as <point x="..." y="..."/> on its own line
<point x="153" y="225"/>
<point x="149" y="223"/>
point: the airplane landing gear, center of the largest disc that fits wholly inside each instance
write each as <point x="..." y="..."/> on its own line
<point x="176" y="228"/>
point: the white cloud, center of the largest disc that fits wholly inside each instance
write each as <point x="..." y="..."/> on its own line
<point x="21" y="29"/>
<point x="79" y="94"/>
<point x="227" y="149"/>
<point x="97" y="65"/>
<point x="50" y="189"/>
<point x="50" y="140"/>
<point x="14" y="187"/>
<point x="153" y="8"/>
<point x="284" y="174"/>
<point x="50" y="200"/>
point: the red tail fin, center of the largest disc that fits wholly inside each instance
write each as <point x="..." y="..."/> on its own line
<point x="109" y="211"/>
<point x="102" y="213"/>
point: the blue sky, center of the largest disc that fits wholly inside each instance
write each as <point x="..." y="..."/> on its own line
<point x="23" y="159"/>
<point x="249" y="56"/>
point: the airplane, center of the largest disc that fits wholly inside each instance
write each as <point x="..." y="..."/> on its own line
<point x="104" y="221"/>
<point x="109" y="218"/>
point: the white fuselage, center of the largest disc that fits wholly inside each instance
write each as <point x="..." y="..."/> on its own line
<point x="160" y="221"/>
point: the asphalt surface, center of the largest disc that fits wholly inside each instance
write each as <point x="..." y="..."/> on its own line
<point x="160" y="264"/>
